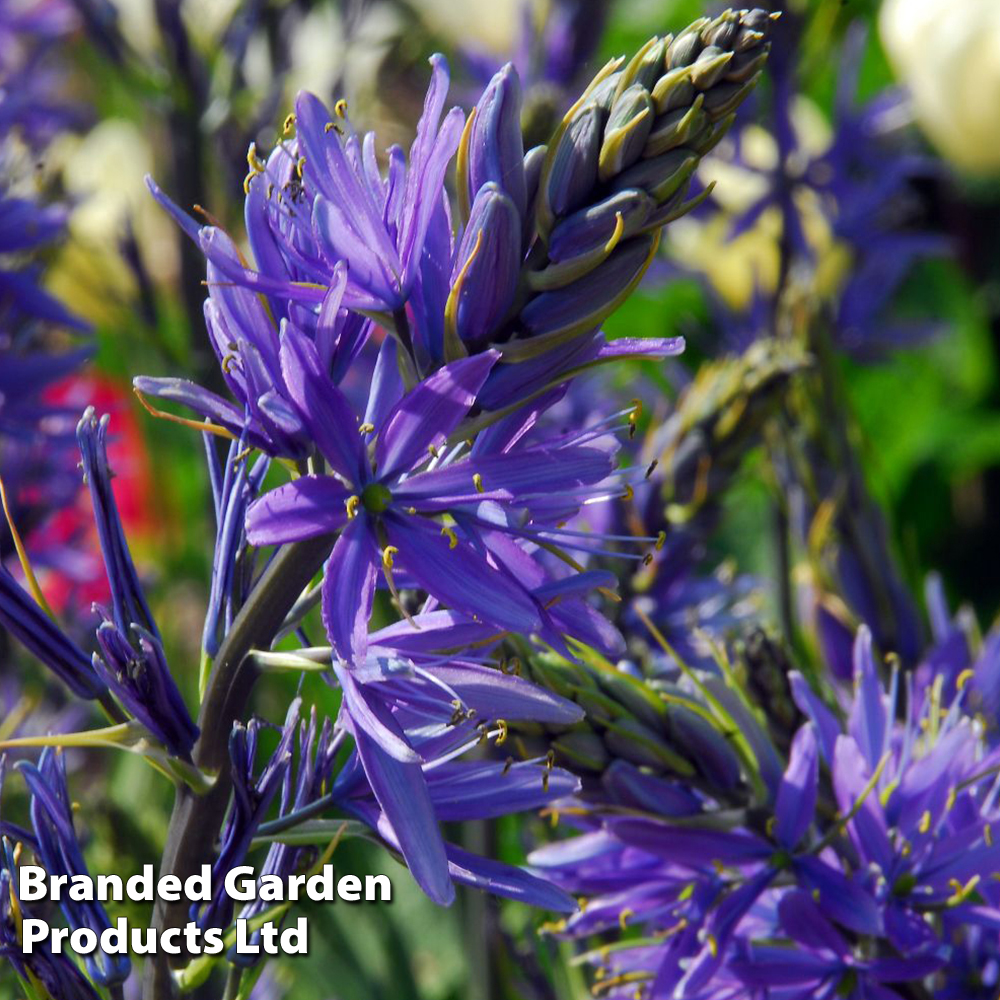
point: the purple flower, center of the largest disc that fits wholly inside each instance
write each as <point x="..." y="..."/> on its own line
<point x="59" y="852"/>
<point x="132" y="661"/>
<point x="56" y="973"/>
<point x="390" y="505"/>
<point x="252" y="795"/>
<point x="819" y="960"/>
<point x="22" y="616"/>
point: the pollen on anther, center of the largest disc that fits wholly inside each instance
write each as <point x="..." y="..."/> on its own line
<point x="352" y="504"/>
<point x="477" y="481"/>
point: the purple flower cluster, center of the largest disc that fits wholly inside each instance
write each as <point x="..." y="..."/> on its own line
<point x="858" y="865"/>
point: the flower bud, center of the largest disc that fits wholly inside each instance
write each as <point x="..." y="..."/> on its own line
<point x="496" y="149"/>
<point x="485" y="275"/>
<point x="573" y="173"/>
<point x="626" y="132"/>
<point x="586" y="303"/>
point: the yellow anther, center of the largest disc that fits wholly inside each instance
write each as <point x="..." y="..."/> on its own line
<point x="952" y="796"/>
<point x="550" y="760"/>
<point x="329" y="127"/>
<point x="623" y="917"/>
<point x="270" y="190"/>
<point x="288" y="125"/>
<point x="352" y="504"/>
<point x="925" y="822"/>
<point x="629" y="492"/>
<point x="769" y="826"/>
<point x="502" y="726"/>
<point x="340" y="108"/>
<point x="254" y="162"/>
<point x="300" y="166"/>
<point x="647" y="559"/>
<point x="450" y="535"/>
<point x="554" y="818"/>
<point x="617" y="234"/>
<point x="988" y="835"/>
<point x="246" y="182"/>
<point x="713" y="945"/>
<point x="661" y="540"/>
<point x="582" y="902"/>
<point x="366" y="428"/>
<point x="387" y="553"/>
<point x="815" y="895"/>
<point x="432" y="450"/>
<point x="477" y="481"/>
<point x="633" y="417"/>
<point x="963" y="678"/>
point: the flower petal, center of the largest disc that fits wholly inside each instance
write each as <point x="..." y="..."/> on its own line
<point x="349" y="588"/>
<point x="427" y="414"/>
<point x="305" y="508"/>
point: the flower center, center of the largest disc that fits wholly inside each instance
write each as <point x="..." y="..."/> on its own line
<point x="376" y="498"/>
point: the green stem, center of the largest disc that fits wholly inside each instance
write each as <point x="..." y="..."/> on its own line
<point x="196" y="819"/>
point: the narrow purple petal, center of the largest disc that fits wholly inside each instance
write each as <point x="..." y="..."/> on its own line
<point x="322" y="405"/>
<point x="305" y="508"/>
<point x="426" y="415"/>
<point x="349" y="588"/>
<point x="797" y="792"/>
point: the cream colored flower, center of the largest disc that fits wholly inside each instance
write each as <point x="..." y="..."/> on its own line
<point x="947" y="52"/>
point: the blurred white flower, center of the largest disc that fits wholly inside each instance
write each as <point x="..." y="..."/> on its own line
<point x="947" y="52"/>
<point x="483" y="24"/>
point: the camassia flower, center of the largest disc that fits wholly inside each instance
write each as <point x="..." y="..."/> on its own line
<point x="132" y="662"/>
<point x="403" y="802"/>
<point x="401" y="491"/>
<point x="847" y="895"/>
<point x="59" y="852"/>
<point x="56" y="974"/>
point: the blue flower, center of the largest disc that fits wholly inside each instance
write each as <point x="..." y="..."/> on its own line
<point x="56" y="973"/>
<point x="59" y="852"/>
<point x="132" y="661"/>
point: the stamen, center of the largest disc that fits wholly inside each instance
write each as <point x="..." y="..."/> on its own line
<point x="289" y="124"/>
<point x="651" y="468"/>
<point x="634" y="414"/>
<point x="477" y="481"/>
<point x="623" y="917"/>
<point x="502" y="738"/>
<point x="619" y="227"/>
<point x="366" y="428"/>
<point x="450" y="535"/>
<point x="387" y="553"/>
<point x="340" y="108"/>
<point x="254" y="162"/>
<point x="22" y="555"/>
<point x="352" y="504"/>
